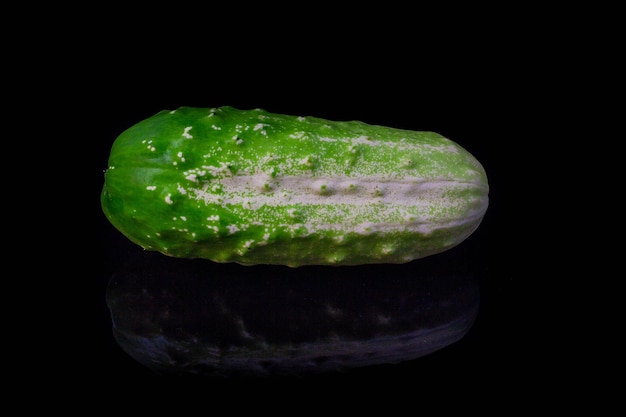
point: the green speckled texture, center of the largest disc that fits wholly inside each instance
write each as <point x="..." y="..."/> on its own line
<point x="254" y="187"/>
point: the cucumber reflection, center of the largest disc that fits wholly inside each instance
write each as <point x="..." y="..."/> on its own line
<point x="179" y="316"/>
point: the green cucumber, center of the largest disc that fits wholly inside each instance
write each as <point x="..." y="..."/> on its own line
<point x="254" y="187"/>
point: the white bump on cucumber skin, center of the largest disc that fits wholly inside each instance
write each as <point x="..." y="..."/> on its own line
<point x="388" y="249"/>
<point x="180" y="189"/>
<point x="307" y="161"/>
<point x="299" y="135"/>
<point x="149" y="142"/>
<point x="245" y="247"/>
<point x="186" y="132"/>
<point x="265" y="241"/>
<point x="260" y="126"/>
<point x="335" y="259"/>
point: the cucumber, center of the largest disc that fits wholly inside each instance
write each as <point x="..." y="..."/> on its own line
<point x="254" y="187"/>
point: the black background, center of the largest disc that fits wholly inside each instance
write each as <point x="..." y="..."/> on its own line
<point x="508" y="84"/>
<point x="469" y="89"/>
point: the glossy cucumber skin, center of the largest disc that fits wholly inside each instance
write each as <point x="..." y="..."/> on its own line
<point x="254" y="187"/>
